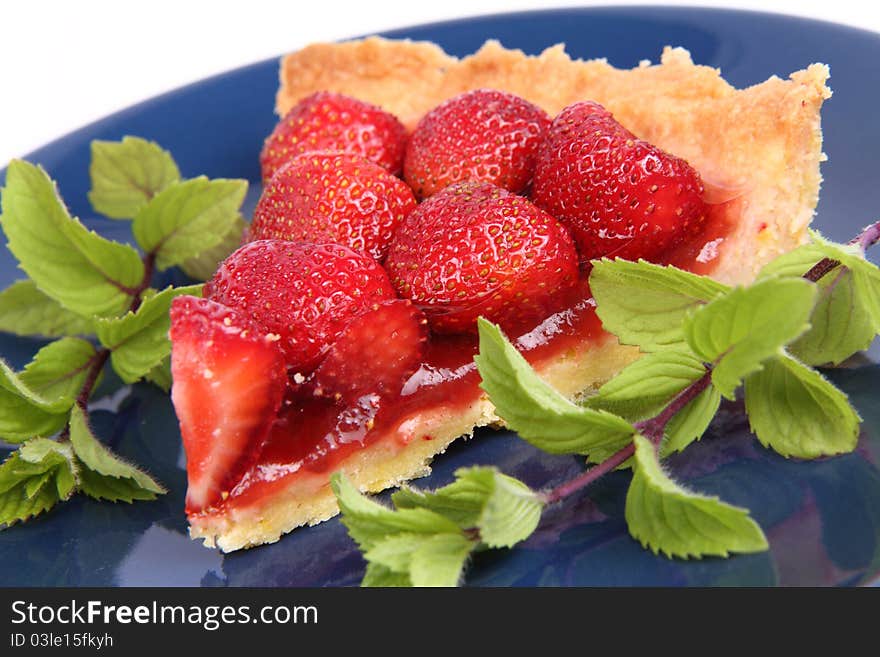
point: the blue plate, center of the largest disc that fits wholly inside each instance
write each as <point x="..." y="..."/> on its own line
<point x="822" y="518"/>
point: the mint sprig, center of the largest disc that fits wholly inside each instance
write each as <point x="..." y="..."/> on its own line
<point x="82" y="284"/>
<point x="701" y="341"/>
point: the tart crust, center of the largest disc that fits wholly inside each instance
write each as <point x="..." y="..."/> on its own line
<point x="758" y="149"/>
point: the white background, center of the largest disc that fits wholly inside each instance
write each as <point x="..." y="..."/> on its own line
<point x="69" y="62"/>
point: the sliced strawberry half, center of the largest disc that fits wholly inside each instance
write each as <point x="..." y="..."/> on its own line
<point x="375" y="354"/>
<point x="229" y="379"/>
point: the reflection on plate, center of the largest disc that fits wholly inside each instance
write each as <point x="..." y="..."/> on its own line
<point x="822" y="518"/>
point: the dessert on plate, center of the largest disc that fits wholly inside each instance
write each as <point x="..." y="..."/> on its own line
<point x="406" y="193"/>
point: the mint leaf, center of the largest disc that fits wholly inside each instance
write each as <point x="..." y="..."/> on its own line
<point x="537" y="412"/>
<point x="691" y="422"/>
<point x="378" y="575"/>
<point x="744" y="327"/>
<point x="439" y="560"/>
<point x="35" y="478"/>
<point x="21" y="419"/>
<point x="127" y="174"/>
<point x="188" y="218"/>
<point x="58" y="371"/>
<point x="395" y="552"/>
<point x="644" y="304"/>
<point x="847" y="313"/>
<point x="369" y="522"/>
<point x="25" y="310"/>
<point x="504" y="509"/>
<point x="104" y="474"/>
<point x="841" y="324"/>
<point x="511" y="512"/>
<point x="52" y="379"/>
<point x="668" y="518"/>
<point x="644" y="387"/>
<point x="79" y="269"/>
<point x="139" y="340"/>
<point x="35" y="401"/>
<point x="203" y="266"/>
<point x="795" y="411"/>
<point x="160" y="375"/>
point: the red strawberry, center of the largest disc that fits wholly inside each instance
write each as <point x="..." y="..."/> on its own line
<point x="619" y="195"/>
<point x="304" y="293"/>
<point x="484" y="135"/>
<point x="376" y="352"/>
<point x="328" y="121"/>
<point x="229" y="379"/>
<point x="476" y="249"/>
<point x="333" y="197"/>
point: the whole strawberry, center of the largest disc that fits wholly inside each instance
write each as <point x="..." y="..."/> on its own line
<point x="303" y="294"/>
<point x="326" y="121"/>
<point x="483" y="135"/>
<point x="476" y="249"/>
<point x="620" y="196"/>
<point x="333" y="197"/>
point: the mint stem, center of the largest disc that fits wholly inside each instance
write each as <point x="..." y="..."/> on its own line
<point x="654" y="428"/>
<point x="864" y="240"/>
<point x="101" y="356"/>
<point x="868" y="237"/>
<point x="589" y="476"/>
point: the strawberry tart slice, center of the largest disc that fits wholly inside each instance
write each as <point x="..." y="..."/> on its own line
<point x="408" y="193"/>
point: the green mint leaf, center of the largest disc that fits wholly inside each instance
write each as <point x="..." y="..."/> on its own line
<point x="504" y="509"/>
<point x="20" y="419"/>
<point x="668" y="518"/>
<point x="795" y="411"/>
<point x="139" y="340"/>
<point x="79" y="269"/>
<point x="127" y="174"/>
<point x="741" y="329"/>
<point x="15" y="503"/>
<point x="840" y="325"/>
<point x="439" y="560"/>
<point x="58" y="460"/>
<point x="35" y="402"/>
<point x="104" y="474"/>
<point x="845" y="318"/>
<point x="644" y="387"/>
<point x="188" y="218"/>
<point x="25" y="310"/>
<point x="511" y="513"/>
<point x="794" y="263"/>
<point x="691" y="422"/>
<point x="203" y="266"/>
<point x="369" y="522"/>
<point x="58" y="371"/>
<point x="537" y="412"/>
<point x="644" y="304"/>
<point x="35" y="478"/>
<point x="160" y="375"/>
<point x="395" y="552"/>
<point x="380" y="576"/>
<point x="52" y="379"/>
